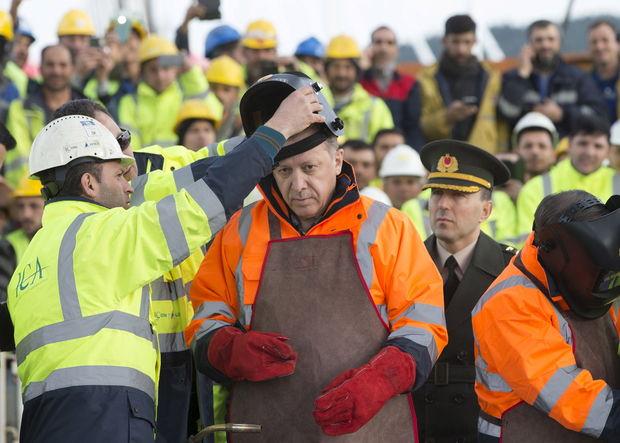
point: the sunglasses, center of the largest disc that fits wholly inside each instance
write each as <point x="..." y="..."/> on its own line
<point x="124" y="139"/>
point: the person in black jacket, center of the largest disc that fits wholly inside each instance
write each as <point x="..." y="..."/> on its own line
<point x="544" y="83"/>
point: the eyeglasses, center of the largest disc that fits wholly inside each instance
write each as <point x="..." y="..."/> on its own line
<point x="124" y="139"/>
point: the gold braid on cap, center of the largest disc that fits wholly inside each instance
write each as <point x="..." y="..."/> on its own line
<point x="459" y="176"/>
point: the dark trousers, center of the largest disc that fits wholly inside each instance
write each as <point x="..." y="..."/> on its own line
<point x="175" y="387"/>
<point x="93" y="414"/>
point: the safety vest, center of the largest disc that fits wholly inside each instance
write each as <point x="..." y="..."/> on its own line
<point x="499" y="226"/>
<point x="17" y="76"/>
<point x="602" y="183"/>
<point x="19" y="240"/>
<point x="363" y="115"/>
<point x="151" y="116"/>
<point x="171" y="308"/>
<point x="78" y="298"/>
<point x="433" y="119"/>
<point x="533" y="359"/>
<point x="22" y="123"/>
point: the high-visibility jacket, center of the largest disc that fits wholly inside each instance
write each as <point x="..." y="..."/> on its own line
<point x="524" y="353"/>
<point x="17" y="75"/>
<point x="602" y="183"/>
<point x="172" y="310"/>
<point x="151" y="116"/>
<point x="363" y="115"/>
<point x="499" y="226"/>
<point x="402" y="278"/>
<point x="85" y="272"/>
<point x="434" y="90"/>
<point x="19" y="241"/>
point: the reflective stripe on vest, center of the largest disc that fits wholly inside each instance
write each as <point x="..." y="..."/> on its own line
<point x="547" y="185"/>
<point x="365" y="129"/>
<point x="75" y="326"/>
<point x="488" y="428"/>
<point x="616" y="184"/>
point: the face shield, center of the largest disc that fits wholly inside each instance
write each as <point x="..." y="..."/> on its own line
<point x="583" y="257"/>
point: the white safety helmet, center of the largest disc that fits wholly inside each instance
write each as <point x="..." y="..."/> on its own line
<point x="535" y="120"/>
<point x="614" y="133"/>
<point x="70" y="138"/>
<point x="376" y="194"/>
<point x="403" y="160"/>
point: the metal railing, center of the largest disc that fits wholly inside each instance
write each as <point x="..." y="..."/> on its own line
<point x="10" y="399"/>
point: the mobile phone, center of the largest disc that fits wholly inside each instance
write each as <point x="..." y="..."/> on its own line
<point x="516" y="168"/>
<point x="95" y="42"/>
<point x="213" y="9"/>
<point x="471" y="100"/>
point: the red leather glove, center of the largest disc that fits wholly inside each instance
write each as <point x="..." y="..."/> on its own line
<point x="355" y="396"/>
<point x="252" y="356"/>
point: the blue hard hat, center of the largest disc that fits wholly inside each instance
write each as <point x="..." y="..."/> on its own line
<point x="310" y="47"/>
<point x="220" y="36"/>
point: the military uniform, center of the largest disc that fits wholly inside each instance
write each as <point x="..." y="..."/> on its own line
<point x="447" y="406"/>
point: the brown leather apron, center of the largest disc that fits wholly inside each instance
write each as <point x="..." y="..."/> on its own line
<point x="596" y="349"/>
<point x="311" y="291"/>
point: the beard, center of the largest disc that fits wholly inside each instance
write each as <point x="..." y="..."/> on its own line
<point x="546" y="63"/>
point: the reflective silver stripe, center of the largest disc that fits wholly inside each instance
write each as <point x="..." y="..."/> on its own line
<point x="14" y="164"/>
<point x="564" y="326"/>
<point x="365" y="129"/>
<point x="515" y="280"/>
<point x="245" y="221"/>
<point x="599" y="411"/>
<point x="138" y="184"/>
<point x="210" y="204"/>
<point x="247" y="314"/>
<point x="546" y="182"/>
<point x="145" y="303"/>
<point x="213" y="149"/>
<point x="508" y="109"/>
<point x="488" y="428"/>
<point x="208" y="326"/>
<point x="164" y="143"/>
<point x="83" y="327"/>
<point x="565" y="97"/>
<point x="384" y="314"/>
<point x="420" y="336"/>
<point x="493" y="228"/>
<point x="162" y="289"/>
<point x="367" y="236"/>
<point x="490" y="380"/>
<point x="210" y="308"/>
<point x="616" y="185"/>
<point x="172" y="229"/>
<point x="200" y="95"/>
<point x="555" y="387"/>
<point x="424" y="313"/>
<point x="183" y="177"/>
<point x="171" y="342"/>
<point x="91" y="376"/>
<point x="230" y="144"/>
<point x="67" y="288"/>
<point x="426" y="219"/>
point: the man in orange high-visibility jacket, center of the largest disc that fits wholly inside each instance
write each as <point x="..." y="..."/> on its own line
<point x="309" y="283"/>
<point x="547" y="366"/>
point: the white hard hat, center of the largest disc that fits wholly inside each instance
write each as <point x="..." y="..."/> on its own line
<point x="535" y="120"/>
<point x="402" y="160"/>
<point x="72" y="137"/>
<point x="376" y="194"/>
<point x="614" y="133"/>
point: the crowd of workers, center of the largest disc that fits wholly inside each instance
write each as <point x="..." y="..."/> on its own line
<point x="133" y="324"/>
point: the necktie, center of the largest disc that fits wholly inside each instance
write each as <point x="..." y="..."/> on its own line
<point x="452" y="282"/>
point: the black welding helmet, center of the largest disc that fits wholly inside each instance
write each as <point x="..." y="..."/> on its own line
<point x="263" y="98"/>
<point x="583" y="257"/>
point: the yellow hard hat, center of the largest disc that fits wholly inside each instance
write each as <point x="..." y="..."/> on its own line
<point x="6" y="25"/>
<point x="76" y="22"/>
<point x="195" y="109"/>
<point x="342" y="46"/>
<point x="260" y="34"/>
<point x="226" y="71"/>
<point x="28" y="188"/>
<point x="155" y="46"/>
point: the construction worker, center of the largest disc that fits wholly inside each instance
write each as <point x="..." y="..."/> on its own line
<point x="534" y="139"/>
<point x="75" y="31"/>
<point x="363" y="114"/>
<point x="461" y="181"/>
<point x="402" y="174"/>
<point x="85" y="218"/>
<point x="361" y="157"/>
<point x="195" y="125"/>
<point x="584" y="169"/>
<point x="28" y="209"/>
<point x="459" y="94"/>
<point x="260" y="50"/>
<point x="13" y="78"/>
<point x="546" y="352"/>
<point x="26" y="118"/>
<point x="311" y="52"/>
<point x="18" y="69"/>
<point x="225" y="77"/>
<point x="318" y="230"/>
<point x="7" y="143"/>
<point x="604" y="49"/>
<point x="141" y="112"/>
<point x="223" y="40"/>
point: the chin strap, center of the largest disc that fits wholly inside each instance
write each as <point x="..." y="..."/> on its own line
<point x="302" y="145"/>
